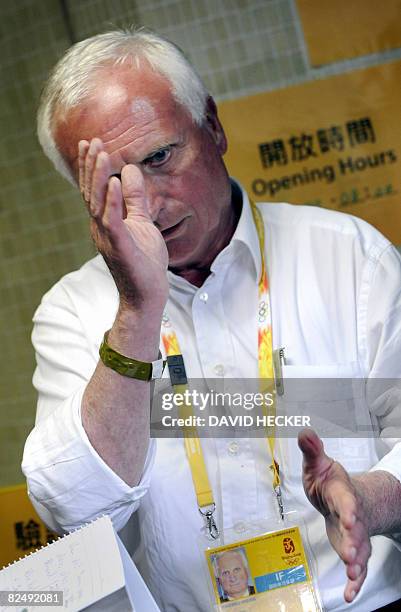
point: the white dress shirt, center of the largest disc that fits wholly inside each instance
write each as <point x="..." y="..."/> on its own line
<point x="335" y="288"/>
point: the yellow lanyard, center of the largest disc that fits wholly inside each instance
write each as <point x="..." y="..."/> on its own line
<point x="265" y="341"/>
<point x="193" y="447"/>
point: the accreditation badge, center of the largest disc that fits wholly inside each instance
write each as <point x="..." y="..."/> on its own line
<point x="269" y="572"/>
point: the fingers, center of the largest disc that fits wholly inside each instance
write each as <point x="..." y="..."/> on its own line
<point x="83" y="147"/>
<point x="354" y="586"/>
<point x="94" y="149"/>
<point x="357" y="550"/>
<point x="110" y="201"/>
<point x="354" y="549"/>
<point x="133" y="189"/>
<point x="94" y="176"/>
<point x="331" y="491"/>
<point x="113" y="209"/>
<point x="100" y="184"/>
<point x="309" y="443"/>
<point x="102" y="194"/>
<point x="355" y="546"/>
<point x="93" y="167"/>
<point x="314" y="457"/>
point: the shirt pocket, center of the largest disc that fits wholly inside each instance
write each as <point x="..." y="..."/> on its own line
<point x="334" y="397"/>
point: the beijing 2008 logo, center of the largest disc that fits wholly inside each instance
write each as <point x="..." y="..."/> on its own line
<point x="289" y="546"/>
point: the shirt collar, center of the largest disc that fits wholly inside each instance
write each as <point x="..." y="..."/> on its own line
<point x="245" y="234"/>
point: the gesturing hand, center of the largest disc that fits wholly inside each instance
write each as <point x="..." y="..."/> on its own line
<point x="122" y="228"/>
<point x="331" y="491"/>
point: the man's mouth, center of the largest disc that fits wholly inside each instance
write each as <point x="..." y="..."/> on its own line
<point x="173" y="230"/>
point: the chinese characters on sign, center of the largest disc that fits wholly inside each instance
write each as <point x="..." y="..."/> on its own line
<point x="21" y="529"/>
<point x="303" y="146"/>
<point x="338" y="138"/>
<point x="332" y="142"/>
<point x="28" y="535"/>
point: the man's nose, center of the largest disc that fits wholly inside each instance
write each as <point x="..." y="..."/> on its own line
<point x="156" y="200"/>
<point x="156" y="205"/>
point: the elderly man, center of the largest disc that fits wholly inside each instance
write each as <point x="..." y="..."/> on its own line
<point x="124" y="116"/>
<point x="233" y="575"/>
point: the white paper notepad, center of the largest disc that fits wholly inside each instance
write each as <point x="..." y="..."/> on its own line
<point x="87" y="565"/>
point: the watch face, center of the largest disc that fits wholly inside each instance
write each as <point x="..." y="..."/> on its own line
<point x="176" y="369"/>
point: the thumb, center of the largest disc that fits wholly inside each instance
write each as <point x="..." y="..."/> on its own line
<point x="134" y="193"/>
<point x="313" y="450"/>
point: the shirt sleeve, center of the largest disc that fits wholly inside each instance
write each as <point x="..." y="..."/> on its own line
<point x="68" y="482"/>
<point x="383" y="321"/>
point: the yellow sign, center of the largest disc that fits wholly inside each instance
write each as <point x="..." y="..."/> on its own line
<point x="341" y="29"/>
<point x="21" y="529"/>
<point x="257" y="572"/>
<point x="333" y="143"/>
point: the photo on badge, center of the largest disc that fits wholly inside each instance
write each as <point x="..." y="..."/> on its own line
<point x="231" y="572"/>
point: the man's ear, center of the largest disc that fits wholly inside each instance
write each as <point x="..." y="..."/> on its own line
<point x="214" y="126"/>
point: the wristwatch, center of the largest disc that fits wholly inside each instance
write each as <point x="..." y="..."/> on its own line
<point x="126" y="366"/>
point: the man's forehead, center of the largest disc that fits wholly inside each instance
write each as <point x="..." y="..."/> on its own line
<point x="124" y="85"/>
<point x="135" y="96"/>
<point x="139" y="91"/>
<point x="115" y="107"/>
<point x="142" y="105"/>
<point x="230" y="557"/>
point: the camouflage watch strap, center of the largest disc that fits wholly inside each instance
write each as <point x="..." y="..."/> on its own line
<point x="126" y="366"/>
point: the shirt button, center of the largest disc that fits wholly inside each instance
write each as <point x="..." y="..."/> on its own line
<point x="233" y="448"/>
<point x="219" y="369"/>
<point x="204" y="297"/>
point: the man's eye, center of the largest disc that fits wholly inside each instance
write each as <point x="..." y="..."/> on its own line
<point x="158" y="158"/>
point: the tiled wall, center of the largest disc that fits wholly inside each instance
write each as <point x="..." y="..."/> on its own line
<point x="239" y="47"/>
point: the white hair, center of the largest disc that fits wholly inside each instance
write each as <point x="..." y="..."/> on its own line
<point x="236" y="551"/>
<point x="71" y="80"/>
